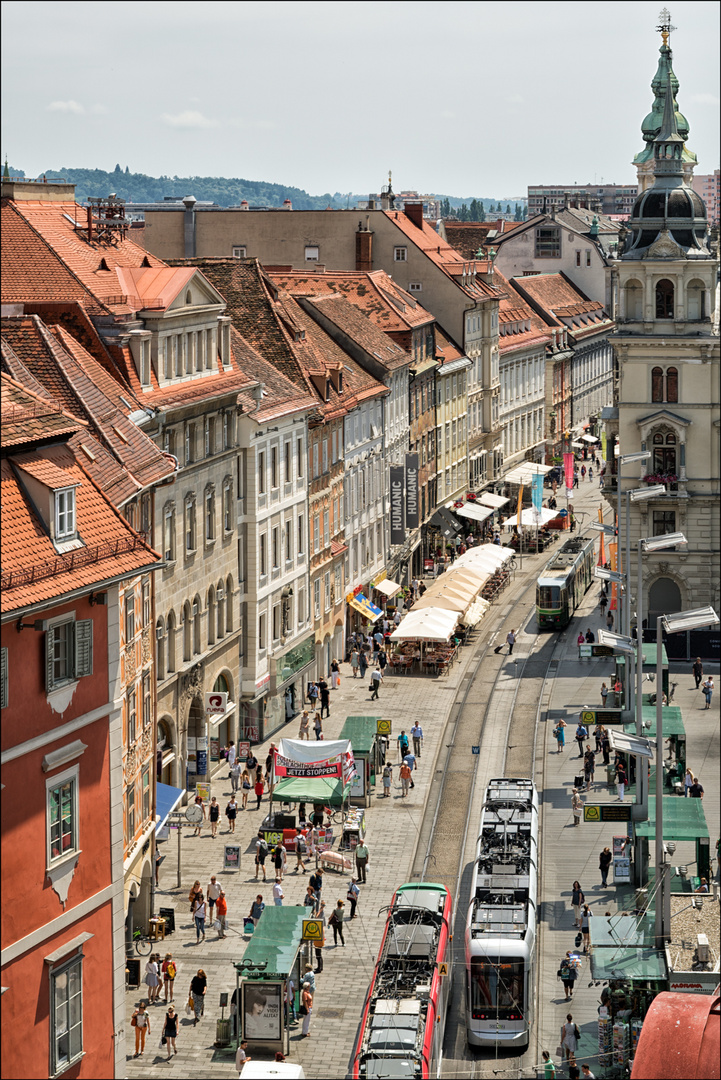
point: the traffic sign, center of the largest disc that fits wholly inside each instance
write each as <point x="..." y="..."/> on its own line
<point x="383" y="727"/>
<point x="475" y="749"/>
<point x="601" y="716"/>
<point x="312" y="930"/>
<point x="443" y="970"/>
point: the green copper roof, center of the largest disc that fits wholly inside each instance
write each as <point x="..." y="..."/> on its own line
<point x="651" y="124"/>
<point x="683" y="819"/>
<point x="275" y="943"/>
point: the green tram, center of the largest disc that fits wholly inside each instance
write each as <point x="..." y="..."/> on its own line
<point x="564" y="582"/>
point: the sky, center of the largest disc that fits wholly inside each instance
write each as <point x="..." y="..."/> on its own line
<point x="456" y="99"/>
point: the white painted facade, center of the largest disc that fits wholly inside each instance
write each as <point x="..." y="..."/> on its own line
<point x="366" y="485"/>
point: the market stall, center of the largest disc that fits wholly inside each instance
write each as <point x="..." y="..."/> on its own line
<point x="368" y="752"/>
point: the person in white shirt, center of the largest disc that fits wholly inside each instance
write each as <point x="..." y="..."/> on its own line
<point x="417" y="736"/>
<point x="213" y="892"/>
<point x="278" y="893"/>
<point x="231" y="755"/>
<point x="242" y="1056"/>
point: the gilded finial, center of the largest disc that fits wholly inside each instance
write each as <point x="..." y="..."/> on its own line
<point x="664" y="28"/>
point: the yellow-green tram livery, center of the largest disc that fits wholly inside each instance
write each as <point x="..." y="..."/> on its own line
<point x="564" y="582"/>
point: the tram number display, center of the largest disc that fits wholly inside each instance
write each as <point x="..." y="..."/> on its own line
<point x="601" y="716"/>
<point x="596" y="813"/>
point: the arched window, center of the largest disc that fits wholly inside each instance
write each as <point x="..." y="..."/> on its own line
<point x="672" y="384"/>
<point x="211" y="615"/>
<point x="221" y="686"/>
<point x="220" y="600"/>
<point x="197" y="646"/>
<point x="664" y="385"/>
<point x="634" y="300"/>
<point x="664" y="299"/>
<point x="160" y="649"/>
<point x="657" y="384"/>
<point x="229" y="603"/>
<point x="187" y="631"/>
<point x="664" y="454"/>
<point x="170" y="646"/>
<point x="694" y="300"/>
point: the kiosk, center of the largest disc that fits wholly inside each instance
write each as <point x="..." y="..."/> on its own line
<point x="368" y="753"/>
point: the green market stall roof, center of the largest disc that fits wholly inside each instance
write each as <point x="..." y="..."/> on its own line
<point x="327" y="790"/>
<point x="361" y="731"/>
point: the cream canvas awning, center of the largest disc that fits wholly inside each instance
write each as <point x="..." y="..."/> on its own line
<point x="429" y="624"/>
<point x="589" y="438"/>
<point x="529" y="516"/>
<point x="388" y="588"/>
<point x="489" y="499"/>
<point x="476" y="513"/>
<point x="522" y="474"/>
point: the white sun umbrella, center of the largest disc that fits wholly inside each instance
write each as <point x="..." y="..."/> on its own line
<point x="532" y="517"/>
<point x="475" y="612"/>
<point x="465" y="589"/>
<point x="448" y="602"/>
<point x="429" y="624"/>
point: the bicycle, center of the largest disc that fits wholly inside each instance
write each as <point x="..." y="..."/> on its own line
<point x="143" y="943"/>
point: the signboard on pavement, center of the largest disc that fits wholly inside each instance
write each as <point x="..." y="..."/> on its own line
<point x="232" y="857"/>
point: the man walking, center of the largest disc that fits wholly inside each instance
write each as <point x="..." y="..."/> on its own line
<point x="698" y="671"/>
<point x="417" y="736"/>
<point x="511" y="639"/>
<point x="353" y="894"/>
<point x="604" y="861"/>
<point x="581" y="736"/>
<point x="324" y="697"/>
<point x="278" y="893"/>
<point x="410" y="761"/>
<point x="212" y="892"/>
<point x="376" y="677"/>
<point x="361" y="861"/>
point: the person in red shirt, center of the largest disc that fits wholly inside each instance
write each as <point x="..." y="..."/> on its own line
<point x="221" y="909"/>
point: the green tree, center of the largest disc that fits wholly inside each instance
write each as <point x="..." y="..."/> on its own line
<point x="481" y="212"/>
<point x="474" y="210"/>
<point x="445" y="207"/>
<point x="463" y="212"/>
<point x="517" y="215"/>
<point x="508" y="208"/>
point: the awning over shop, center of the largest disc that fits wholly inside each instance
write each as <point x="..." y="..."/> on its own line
<point x="629" y="964"/>
<point x="531" y="516"/>
<point x="578" y="445"/>
<point x="489" y="499"/>
<point x="683" y="819"/>
<point x="589" y="438"/>
<point x="367" y="609"/>
<point x="167" y="798"/>
<point x="522" y="474"/>
<point x="475" y="512"/>
<point x="320" y="789"/>
<point x="388" y="588"/>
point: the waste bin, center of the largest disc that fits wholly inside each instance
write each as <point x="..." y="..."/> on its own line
<point x="168" y="914"/>
<point x="611" y="778"/>
<point x="222" y="1032"/>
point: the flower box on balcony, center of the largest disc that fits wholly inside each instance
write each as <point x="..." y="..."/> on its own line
<point x="661" y="478"/>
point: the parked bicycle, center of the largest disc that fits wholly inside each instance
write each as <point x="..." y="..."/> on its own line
<point x="143" y="943"/>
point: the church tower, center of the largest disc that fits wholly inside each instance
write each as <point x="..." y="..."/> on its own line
<point x="667" y="363"/>
<point x="651" y="125"/>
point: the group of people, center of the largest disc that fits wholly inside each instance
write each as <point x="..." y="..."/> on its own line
<point x="210" y="907"/>
<point x="140" y="1020"/>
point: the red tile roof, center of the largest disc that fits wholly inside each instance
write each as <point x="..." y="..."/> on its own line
<point x="468" y="236"/>
<point x="513" y="309"/>
<point x="30" y="416"/>
<point x="556" y="298"/>
<point x="374" y="293"/>
<point x="360" y="329"/>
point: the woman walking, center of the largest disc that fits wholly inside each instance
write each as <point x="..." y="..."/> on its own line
<point x="245" y="787"/>
<point x="304" y="729"/>
<point x="336" y="921"/>
<point x="576" y="806"/>
<point x="335" y="675"/>
<point x="687" y="782"/>
<point x="318" y="726"/>
<point x="141" y="1022"/>
<point x="569" y="1039"/>
<point x="577" y="901"/>
<point x="230" y="811"/>
<point x="152" y="977"/>
<point x="299" y="841"/>
<point x="620" y="780"/>
<point x="586" y="915"/>
<point x="213" y="815"/>
<point x="199" y="913"/>
<point x="560" y="733"/>
<point x="604" y="694"/>
<point x="169" y="970"/>
<point x="306" y="1010"/>
<point x="256" y="909"/>
<point x="193" y="893"/>
<point x="170" y="1031"/>
<point x="198" y="986"/>
<point x="708" y="691"/>
<point x="259" y="787"/>
<point x="354" y="661"/>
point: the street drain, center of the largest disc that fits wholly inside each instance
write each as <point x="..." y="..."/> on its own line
<point x="331" y="1014"/>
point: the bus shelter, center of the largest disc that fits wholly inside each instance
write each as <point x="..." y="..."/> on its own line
<point x="683" y="820"/>
<point x="275" y="954"/>
<point x="649" y="668"/>
<point x="369" y="750"/>
<point x="674" y="733"/>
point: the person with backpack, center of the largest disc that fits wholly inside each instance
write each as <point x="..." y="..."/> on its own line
<point x="261" y="851"/>
<point x="279" y="859"/>
<point x="568" y="975"/>
<point x="336" y="921"/>
<point x="256" y="910"/>
<point x="170" y="970"/>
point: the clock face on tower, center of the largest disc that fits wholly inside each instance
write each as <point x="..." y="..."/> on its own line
<point x="194" y="814"/>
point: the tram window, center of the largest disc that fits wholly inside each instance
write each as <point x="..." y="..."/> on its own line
<point x="497" y="989"/>
<point x="549" y="596"/>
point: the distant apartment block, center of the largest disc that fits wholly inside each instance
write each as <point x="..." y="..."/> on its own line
<point x="708" y="186"/>
<point x="608" y="198"/>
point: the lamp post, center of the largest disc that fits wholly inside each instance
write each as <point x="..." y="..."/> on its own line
<point x="672" y="624"/>
<point x="625" y="459"/>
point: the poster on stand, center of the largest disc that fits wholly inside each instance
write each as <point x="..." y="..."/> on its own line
<point x="262" y="1013"/>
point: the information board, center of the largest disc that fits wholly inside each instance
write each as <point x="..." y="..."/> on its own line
<point x="591" y="717"/>
<point x="614" y="812"/>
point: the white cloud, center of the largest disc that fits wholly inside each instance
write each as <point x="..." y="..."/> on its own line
<point x="66" y="106"/>
<point x="191" y="118"/>
<point x="704" y="99"/>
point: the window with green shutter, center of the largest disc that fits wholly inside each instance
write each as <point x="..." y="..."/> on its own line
<point x="68" y="652"/>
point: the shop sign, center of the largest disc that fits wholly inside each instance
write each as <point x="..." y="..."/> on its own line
<point x="296" y="659"/>
<point x="216" y="703"/>
<point x="397" y="477"/>
<point x="244" y="748"/>
<point x="203" y="790"/>
<point x="412" y="515"/>
<point x="262" y="682"/>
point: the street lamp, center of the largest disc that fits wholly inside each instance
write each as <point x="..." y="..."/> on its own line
<point x="672" y="624"/>
<point x="607" y="530"/>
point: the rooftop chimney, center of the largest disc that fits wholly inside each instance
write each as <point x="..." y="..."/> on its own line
<point x="287" y="204"/>
<point x="243" y="204"/>
<point x="414" y="213"/>
<point x="189" y="226"/>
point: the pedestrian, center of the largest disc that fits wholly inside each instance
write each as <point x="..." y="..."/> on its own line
<point x="590" y="636"/>
<point x="590" y="472"/>
<point x="352" y="897"/>
<point x="141" y="1022"/>
<point x="242" y="1056"/>
<point x="199" y="913"/>
<point x="586" y="1071"/>
<point x="362" y="662"/>
<point x="199" y="802"/>
<point x="313" y="694"/>
<point x="569" y="1038"/>
<point x="405" y="775"/>
<point x="318" y="726"/>
<point x="397" y="616"/>
<point x="270" y="770"/>
<point x="198" y="986"/>
<point x="382" y="660"/>
<point x="299" y="842"/>
<point x="152" y="977"/>
<point x="578" y="899"/>
<point x="230" y="811"/>
<point x="170" y="1031"/>
<point x="576" y="806"/>
<point x="620" y="780"/>
<point x="193" y="893"/>
<point x="306" y="1009"/>
<point x="696" y="789"/>
<point x="251" y="764"/>
<point x="354" y="661"/>
<point x="246" y="787"/>
<point x="511" y="639"/>
<point x="575" y="478"/>
<point x="387" y="777"/>
<point x="221" y="910"/>
<point x="417" y="736"/>
<point x="256" y="909"/>
<point x="376" y="677"/>
<point x="290" y="1001"/>
<point x="315" y="881"/>
<point x="234" y="776"/>
<point x="687" y="782"/>
<point x="598" y="736"/>
<point x="169" y="970"/>
<point x="278" y="893"/>
<point x="230" y="757"/>
<point x="567" y="974"/>
<point x="589" y="766"/>
<point x="604" y="694"/>
<point x="583" y="472"/>
<point x="609" y="621"/>
<point x="335" y="674"/>
<point x="603" y="602"/>
<point x="580" y="737"/>
<point x="213" y="815"/>
<point x="324" y="698"/>
<point x="261" y="850"/>
<point x="212" y="892"/>
<point x="259" y="787"/>
<point x="586" y="915"/>
<point x="336" y="921"/>
<point x="361" y="861"/>
<point x="708" y="691"/>
<point x="310" y="900"/>
<point x="698" y="671"/>
<point x="549" y="1069"/>
<point x="304" y="729"/>
<point x="605" y="746"/>
<point x="580" y="640"/>
<point x="604" y="862"/>
<point x="618" y="691"/>
<point x="280" y="857"/>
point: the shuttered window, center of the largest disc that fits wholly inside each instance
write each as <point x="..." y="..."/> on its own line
<point x="68" y="652"/>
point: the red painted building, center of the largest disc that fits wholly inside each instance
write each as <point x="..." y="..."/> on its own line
<point x="66" y="556"/>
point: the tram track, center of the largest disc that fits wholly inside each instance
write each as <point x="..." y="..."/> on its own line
<point x="504" y="723"/>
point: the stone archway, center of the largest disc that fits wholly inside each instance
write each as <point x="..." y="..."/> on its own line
<point x="664" y="598"/>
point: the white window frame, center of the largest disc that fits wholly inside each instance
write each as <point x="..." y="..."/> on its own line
<point x="65" y="516"/>
<point x="209" y="516"/>
<point x="326" y="589"/>
<point x="312" y="253"/>
<point x="415" y="286"/>
<point x="239" y="251"/>
<point x="65" y="971"/>
<point x="71" y="774"/>
<point x="169" y="533"/>
<point x="400" y="254"/>
<point x="316" y="597"/>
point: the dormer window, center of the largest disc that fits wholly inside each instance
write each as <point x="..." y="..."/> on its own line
<point x="65" y="514"/>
